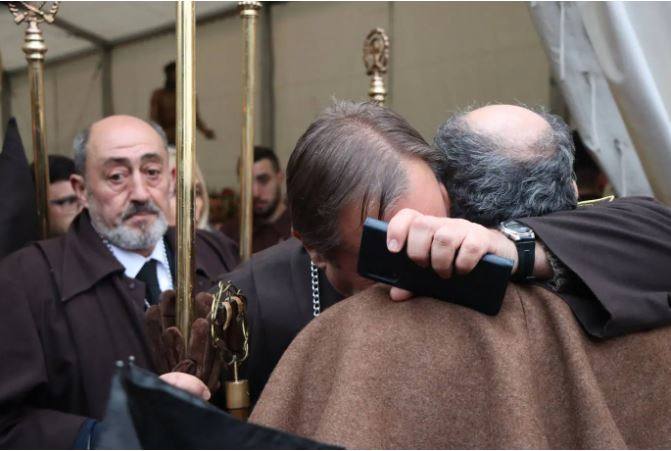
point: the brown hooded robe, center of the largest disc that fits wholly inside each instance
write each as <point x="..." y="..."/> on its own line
<point x="370" y="373"/>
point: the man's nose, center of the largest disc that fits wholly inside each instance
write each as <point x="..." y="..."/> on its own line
<point x="139" y="191"/>
<point x="256" y="189"/>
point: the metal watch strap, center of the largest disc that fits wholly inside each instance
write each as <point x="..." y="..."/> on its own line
<point x="526" y="250"/>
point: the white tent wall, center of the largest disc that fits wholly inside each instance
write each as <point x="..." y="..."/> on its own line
<point x="444" y="56"/>
<point x="72" y="98"/>
<point x="449" y="55"/>
<point x="137" y="69"/>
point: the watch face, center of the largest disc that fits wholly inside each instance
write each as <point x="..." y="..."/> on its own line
<point x="516" y="227"/>
<point x="517" y="231"/>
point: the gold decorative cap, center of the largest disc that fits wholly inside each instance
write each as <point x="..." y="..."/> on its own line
<point x="376" y="52"/>
<point x="34" y="11"/>
<point x="249" y="8"/>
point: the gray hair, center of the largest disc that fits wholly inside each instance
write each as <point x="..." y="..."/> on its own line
<point x="353" y="152"/>
<point x="489" y="180"/>
<point x="81" y="141"/>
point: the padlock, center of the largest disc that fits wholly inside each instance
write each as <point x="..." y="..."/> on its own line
<point x="237" y="395"/>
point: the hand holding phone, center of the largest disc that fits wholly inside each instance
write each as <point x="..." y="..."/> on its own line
<point x="482" y="288"/>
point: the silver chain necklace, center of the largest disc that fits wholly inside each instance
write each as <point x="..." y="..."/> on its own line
<point x="314" y="282"/>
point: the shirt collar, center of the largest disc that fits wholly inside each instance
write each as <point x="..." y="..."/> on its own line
<point x="133" y="262"/>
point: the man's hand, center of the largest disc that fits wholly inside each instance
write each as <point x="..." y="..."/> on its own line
<point x="188" y="383"/>
<point x="168" y="346"/>
<point x="448" y="245"/>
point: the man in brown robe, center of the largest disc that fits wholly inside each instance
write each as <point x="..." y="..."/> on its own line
<point x="272" y="221"/>
<point x="285" y="291"/>
<point x="74" y="305"/>
<point x="427" y="374"/>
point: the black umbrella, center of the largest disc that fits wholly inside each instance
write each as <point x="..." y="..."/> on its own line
<point x="146" y="413"/>
<point x="18" y="211"/>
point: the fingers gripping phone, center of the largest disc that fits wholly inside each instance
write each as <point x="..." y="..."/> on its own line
<point x="482" y="289"/>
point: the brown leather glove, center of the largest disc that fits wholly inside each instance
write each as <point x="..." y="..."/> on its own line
<point x="167" y="343"/>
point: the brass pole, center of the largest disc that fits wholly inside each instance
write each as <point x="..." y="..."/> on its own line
<point x="35" y="50"/>
<point x="249" y="12"/>
<point x="186" y="157"/>
<point x="376" y="60"/>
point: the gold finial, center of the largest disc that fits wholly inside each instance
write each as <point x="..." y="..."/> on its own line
<point x="249" y="8"/>
<point x="26" y="11"/>
<point x="376" y="60"/>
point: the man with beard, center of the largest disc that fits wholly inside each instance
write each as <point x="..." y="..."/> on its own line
<point x="63" y="203"/>
<point x="272" y="222"/>
<point x="74" y="305"/>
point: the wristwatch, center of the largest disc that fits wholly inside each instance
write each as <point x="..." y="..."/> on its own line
<point x="525" y="242"/>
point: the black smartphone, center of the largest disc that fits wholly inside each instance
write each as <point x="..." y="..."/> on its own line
<point x="482" y="289"/>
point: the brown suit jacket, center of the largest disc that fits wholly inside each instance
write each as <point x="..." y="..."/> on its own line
<point x="370" y="373"/>
<point x="65" y="323"/>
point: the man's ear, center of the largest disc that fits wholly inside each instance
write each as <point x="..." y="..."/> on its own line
<point x="315" y="256"/>
<point x="575" y="189"/>
<point x="280" y="176"/>
<point x="79" y="186"/>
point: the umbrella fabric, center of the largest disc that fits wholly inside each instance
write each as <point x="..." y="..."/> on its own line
<point x="18" y="213"/>
<point x="146" y="413"/>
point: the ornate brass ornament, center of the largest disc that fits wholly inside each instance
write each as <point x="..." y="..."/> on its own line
<point x="230" y="335"/>
<point x="376" y="60"/>
<point x="33" y="13"/>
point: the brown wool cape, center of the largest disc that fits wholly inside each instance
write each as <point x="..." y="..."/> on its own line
<point x="371" y="373"/>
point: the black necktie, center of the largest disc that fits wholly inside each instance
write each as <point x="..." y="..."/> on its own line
<point x="148" y="275"/>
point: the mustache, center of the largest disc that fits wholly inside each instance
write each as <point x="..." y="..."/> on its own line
<point x="135" y="208"/>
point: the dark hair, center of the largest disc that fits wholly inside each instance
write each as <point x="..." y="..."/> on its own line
<point x="266" y="153"/>
<point x="60" y="168"/>
<point x="169" y="68"/>
<point x="489" y="180"/>
<point x="353" y="152"/>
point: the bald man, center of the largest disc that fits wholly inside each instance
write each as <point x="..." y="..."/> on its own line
<point x="291" y="283"/>
<point x="74" y="305"/>
<point x="427" y="374"/>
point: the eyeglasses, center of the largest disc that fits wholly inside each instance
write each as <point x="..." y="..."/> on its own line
<point x="69" y="203"/>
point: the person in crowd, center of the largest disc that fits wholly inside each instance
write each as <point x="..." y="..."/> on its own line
<point x="64" y="205"/>
<point x="354" y="154"/>
<point x="74" y="305"/>
<point x="431" y="374"/>
<point x="271" y="218"/>
<point x="201" y="205"/>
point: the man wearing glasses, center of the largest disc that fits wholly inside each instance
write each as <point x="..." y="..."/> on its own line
<point x="63" y="203"/>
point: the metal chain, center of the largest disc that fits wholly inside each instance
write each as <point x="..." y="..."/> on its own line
<point x="314" y="281"/>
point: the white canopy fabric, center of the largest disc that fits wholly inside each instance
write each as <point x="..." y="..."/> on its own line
<point x="108" y="22"/>
<point x="589" y="97"/>
<point x="631" y="44"/>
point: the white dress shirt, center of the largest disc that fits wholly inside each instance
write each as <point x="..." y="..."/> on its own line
<point x="133" y="263"/>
